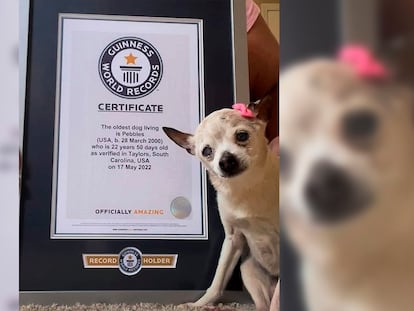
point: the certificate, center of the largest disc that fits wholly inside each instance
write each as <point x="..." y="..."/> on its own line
<point x="120" y="79"/>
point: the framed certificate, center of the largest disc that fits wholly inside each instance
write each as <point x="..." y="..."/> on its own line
<point x="120" y="79"/>
<point x="105" y="194"/>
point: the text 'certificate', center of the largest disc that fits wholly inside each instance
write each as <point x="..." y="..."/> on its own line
<point x="116" y="174"/>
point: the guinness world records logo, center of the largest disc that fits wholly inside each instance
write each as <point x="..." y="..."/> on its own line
<point x="130" y="67"/>
<point x="130" y="261"/>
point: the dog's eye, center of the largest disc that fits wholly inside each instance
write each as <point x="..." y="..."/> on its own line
<point x="242" y="136"/>
<point x="360" y="126"/>
<point x="207" y="151"/>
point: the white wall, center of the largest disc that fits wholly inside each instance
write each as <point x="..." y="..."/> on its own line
<point x="9" y="139"/>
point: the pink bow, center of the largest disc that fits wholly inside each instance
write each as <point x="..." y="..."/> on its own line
<point x="244" y="111"/>
<point x="363" y="61"/>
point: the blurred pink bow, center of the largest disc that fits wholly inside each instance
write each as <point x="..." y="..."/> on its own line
<point x="363" y="61"/>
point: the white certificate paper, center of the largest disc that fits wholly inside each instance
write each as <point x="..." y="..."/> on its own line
<point x="116" y="174"/>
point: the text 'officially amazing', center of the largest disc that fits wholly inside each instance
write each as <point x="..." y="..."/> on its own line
<point x="144" y="108"/>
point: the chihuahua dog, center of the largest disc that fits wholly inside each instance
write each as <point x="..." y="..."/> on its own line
<point x="346" y="182"/>
<point x="244" y="172"/>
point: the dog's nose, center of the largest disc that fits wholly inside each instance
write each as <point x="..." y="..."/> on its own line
<point x="331" y="193"/>
<point x="229" y="164"/>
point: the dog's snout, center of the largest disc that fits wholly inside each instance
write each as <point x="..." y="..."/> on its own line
<point x="229" y="164"/>
<point x="331" y="193"/>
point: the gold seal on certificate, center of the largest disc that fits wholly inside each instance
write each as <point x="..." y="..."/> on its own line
<point x="119" y="81"/>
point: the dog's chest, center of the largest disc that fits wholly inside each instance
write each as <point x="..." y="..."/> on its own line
<point x="247" y="212"/>
<point x="230" y="211"/>
<point x="248" y="207"/>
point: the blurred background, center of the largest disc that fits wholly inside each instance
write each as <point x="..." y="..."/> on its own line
<point x="9" y="140"/>
<point x="270" y="10"/>
<point x="319" y="28"/>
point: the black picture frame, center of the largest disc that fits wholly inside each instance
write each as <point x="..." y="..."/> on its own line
<point x="49" y="265"/>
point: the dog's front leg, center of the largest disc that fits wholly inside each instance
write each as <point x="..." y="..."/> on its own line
<point x="229" y="256"/>
<point x="275" y="305"/>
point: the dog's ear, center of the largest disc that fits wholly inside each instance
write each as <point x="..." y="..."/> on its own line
<point x="263" y="108"/>
<point x="183" y="140"/>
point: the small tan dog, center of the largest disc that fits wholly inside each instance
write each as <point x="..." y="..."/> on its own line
<point x="347" y="186"/>
<point x="244" y="173"/>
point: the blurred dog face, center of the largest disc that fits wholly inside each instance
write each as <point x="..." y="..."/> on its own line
<point x="345" y="156"/>
<point x="226" y="143"/>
